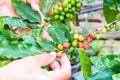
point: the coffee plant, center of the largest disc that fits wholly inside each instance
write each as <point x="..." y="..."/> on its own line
<point x="56" y="21"/>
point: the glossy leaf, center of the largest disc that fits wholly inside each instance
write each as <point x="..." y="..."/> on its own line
<point x="47" y="45"/>
<point x="85" y="63"/>
<point x="66" y="28"/>
<point x="5" y="33"/>
<point x="108" y="61"/>
<point x="20" y="49"/>
<point x="114" y="64"/>
<point x="98" y="62"/>
<point x="38" y="32"/>
<point x="109" y="14"/>
<point x="57" y="35"/>
<point x="14" y="22"/>
<point x="102" y="75"/>
<point x="25" y="11"/>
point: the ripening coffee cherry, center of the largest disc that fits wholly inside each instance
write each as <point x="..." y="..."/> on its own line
<point x="66" y="45"/>
<point x="104" y="31"/>
<point x="81" y="38"/>
<point x="89" y="39"/>
<point x="86" y="46"/>
<point x="56" y="7"/>
<point x="59" y="4"/>
<point x="80" y="45"/>
<point x="60" y="47"/>
<point x="74" y="43"/>
<point x="52" y="13"/>
<point x="92" y="35"/>
<point x="76" y="36"/>
<point x="59" y="54"/>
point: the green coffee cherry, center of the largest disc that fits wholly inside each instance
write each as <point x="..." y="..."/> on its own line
<point x="108" y="29"/>
<point x="56" y="11"/>
<point x="69" y="6"/>
<point x="78" y="5"/>
<point x="111" y="26"/>
<point x="66" y="9"/>
<point x="71" y="50"/>
<point x="74" y="43"/>
<point x="73" y="2"/>
<point x="61" y="18"/>
<point x="73" y="9"/>
<point x="60" y="9"/>
<point x="56" y="17"/>
<point x="71" y="16"/>
<point x="63" y="13"/>
<point x="116" y="28"/>
<point x="97" y="36"/>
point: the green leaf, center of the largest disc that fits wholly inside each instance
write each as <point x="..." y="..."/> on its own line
<point x="98" y="62"/>
<point x="14" y="22"/>
<point x="57" y="35"/>
<point x="20" y="49"/>
<point x="102" y="75"/>
<point x="109" y="14"/>
<point x="85" y="63"/>
<point x="38" y="32"/>
<point x="116" y="76"/>
<point x="106" y="62"/>
<point x="114" y="64"/>
<point x="118" y="3"/>
<point x="47" y="45"/>
<point x="25" y="11"/>
<point x="109" y="3"/>
<point x="66" y="28"/>
<point x="5" y="33"/>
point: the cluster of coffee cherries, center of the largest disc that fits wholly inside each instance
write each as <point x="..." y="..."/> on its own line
<point x="66" y="10"/>
<point x="82" y="42"/>
<point x="62" y="47"/>
<point x="107" y="29"/>
<point x="77" y="43"/>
